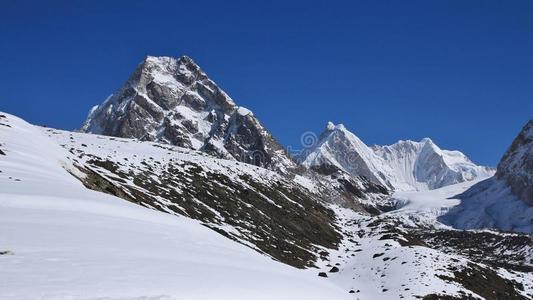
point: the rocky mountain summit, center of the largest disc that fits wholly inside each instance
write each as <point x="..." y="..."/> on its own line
<point x="516" y="166"/>
<point x="172" y="101"/>
<point x="405" y="165"/>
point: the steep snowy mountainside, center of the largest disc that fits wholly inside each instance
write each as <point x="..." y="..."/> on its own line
<point x="424" y="166"/>
<point x="62" y="241"/>
<point x="249" y="204"/>
<point x="502" y="202"/>
<point x="339" y="149"/>
<point x="172" y="101"/>
<point x="516" y="166"/>
<point x="403" y="166"/>
<point x="279" y="215"/>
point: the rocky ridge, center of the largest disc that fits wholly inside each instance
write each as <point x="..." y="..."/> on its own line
<point x="172" y="101"/>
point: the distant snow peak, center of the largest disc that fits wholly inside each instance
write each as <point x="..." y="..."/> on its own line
<point x="405" y="165"/>
<point x="330" y="126"/>
<point x="425" y="140"/>
<point x="171" y="100"/>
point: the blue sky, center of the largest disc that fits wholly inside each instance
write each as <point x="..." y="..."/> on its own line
<point x="460" y="72"/>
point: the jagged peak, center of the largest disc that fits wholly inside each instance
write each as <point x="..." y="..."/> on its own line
<point x="426" y="140"/>
<point x="183" y="58"/>
<point x="170" y="63"/>
<point x="186" y="59"/>
<point x="243" y="111"/>
<point x="410" y="143"/>
<point x="330" y="126"/>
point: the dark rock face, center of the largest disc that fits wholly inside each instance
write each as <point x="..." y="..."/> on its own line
<point x="508" y="251"/>
<point x="516" y="166"/>
<point x="172" y="101"/>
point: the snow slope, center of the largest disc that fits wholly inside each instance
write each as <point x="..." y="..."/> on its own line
<point x="381" y="258"/>
<point x="477" y="204"/>
<point x="62" y="241"/>
<point x="425" y="207"/>
<point x="490" y="204"/>
<point x="403" y="166"/>
<point x="250" y="204"/>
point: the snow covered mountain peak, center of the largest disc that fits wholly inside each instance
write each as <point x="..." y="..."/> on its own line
<point x="424" y="165"/>
<point x="405" y="165"/>
<point x="330" y="126"/>
<point x="172" y="101"/>
<point x="338" y="148"/>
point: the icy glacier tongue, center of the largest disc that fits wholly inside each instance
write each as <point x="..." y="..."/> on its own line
<point x="62" y="241"/>
<point x="403" y="166"/>
<point x="489" y="204"/>
<point x="173" y="101"/>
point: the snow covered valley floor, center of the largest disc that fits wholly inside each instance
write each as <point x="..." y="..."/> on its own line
<point x="60" y="240"/>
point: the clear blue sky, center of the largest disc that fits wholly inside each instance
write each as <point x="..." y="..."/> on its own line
<point x="460" y="72"/>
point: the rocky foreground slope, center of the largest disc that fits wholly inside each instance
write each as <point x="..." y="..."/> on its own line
<point x="61" y="240"/>
<point x="362" y="254"/>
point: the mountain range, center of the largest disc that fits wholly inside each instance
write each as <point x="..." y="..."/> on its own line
<point x="405" y="165"/>
<point x="169" y="179"/>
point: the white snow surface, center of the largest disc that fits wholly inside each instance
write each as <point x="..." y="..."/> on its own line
<point x="403" y="166"/>
<point x="243" y="111"/>
<point x="425" y="207"/>
<point x="477" y="204"/>
<point x="376" y="268"/>
<point x="342" y="149"/>
<point x="68" y="242"/>
<point x="490" y="204"/>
